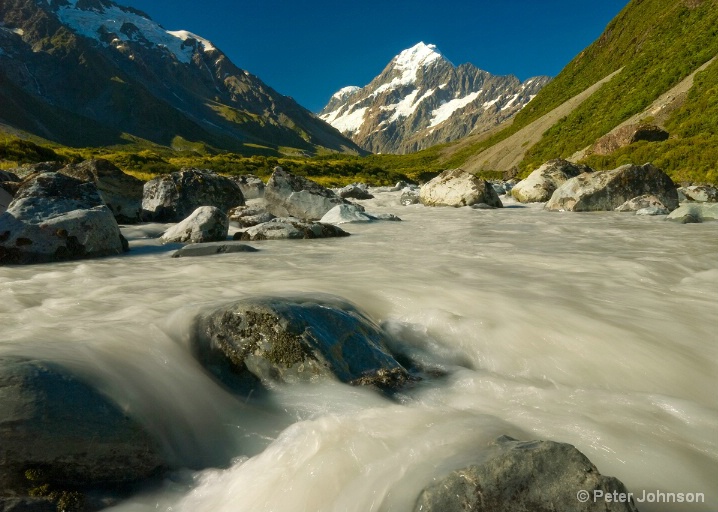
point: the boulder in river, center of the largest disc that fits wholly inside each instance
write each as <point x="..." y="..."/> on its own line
<point x="58" y="431"/>
<point x="355" y="191"/>
<point x="54" y="217"/>
<point x="541" y="183"/>
<point x="700" y="193"/>
<point x="296" y="339"/>
<point x="251" y="186"/>
<point x="173" y="197"/>
<point x="205" y="224"/>
<point x="532" y="476"/>
<point x="642" y="202"/>
<point x="212" y="248"/>
<point x="283" y="228"/>
<point x="607" y="190"/>
<point x="248" y="216"/>
<point x="288" y="195"/>
<point x="694" y="213"/>
<point x="121" y="192"/>
<point x="456" y="187"/>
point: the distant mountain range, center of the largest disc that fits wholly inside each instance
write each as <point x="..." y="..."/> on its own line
<point x="421" y="99"/>
<point x="94" y="73"/>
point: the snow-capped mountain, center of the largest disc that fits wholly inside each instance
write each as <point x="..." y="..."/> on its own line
<point x="422" y="99"/>
<point x="92" y="72"/>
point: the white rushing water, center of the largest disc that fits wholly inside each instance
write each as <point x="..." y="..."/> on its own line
<point x="598" y="329"/>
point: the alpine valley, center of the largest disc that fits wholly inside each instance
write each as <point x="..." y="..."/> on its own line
<point x="421" y="99"/>
<point x="94" y="73"/>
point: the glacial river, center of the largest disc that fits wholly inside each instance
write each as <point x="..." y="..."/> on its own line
<point x="596" y="329"/>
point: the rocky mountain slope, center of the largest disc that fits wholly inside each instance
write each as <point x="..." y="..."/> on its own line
<point x="422" y="99"/>
<point x="91" y="73"/>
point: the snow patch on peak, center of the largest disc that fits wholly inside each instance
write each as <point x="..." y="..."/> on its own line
<point x="184" y="35"/>
<point x="345" y="92"/>
<point x="446" y="110"/>
<point x="418" y="55"/>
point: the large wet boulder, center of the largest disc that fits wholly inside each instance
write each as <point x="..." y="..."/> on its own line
<point x="607" y="190"/>
<point x="456" y="187"/>
<point x="700" y="193"/>
<point x="694" y="213"/>
<point x="57" y="431"/>
<point x="538" y="476"/>
<point x="251" y="186"/>
<point x="288" y="195"/>
<point x="121" y="192"/>
<point x="205" y="224"/>
<point x="541" y="184"/>
<point x="289" y="228"/>
<point x="54" y="217"/>
<point x="642" y="203"/>
<point x="355" y="191"/>
<point x="296" y="339"/>
<point x="173" y="197"/>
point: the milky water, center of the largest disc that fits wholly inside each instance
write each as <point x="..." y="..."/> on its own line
<point x="597" y="329"/>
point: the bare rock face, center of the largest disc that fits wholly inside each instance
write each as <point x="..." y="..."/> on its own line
<point x="296" y="339"/>
<point x="173" y="197"/>
<point x="288" y="195"/>
<point x="540" y="476"/>
<point x="607" y="190"/>
<point x="55" y="217"/>
<point x="627" y="135"/>
<point x="541" y="184"/>
<point x="205" y="224"/>
<point x="56" y="430"/>
<point x="121" y="192"/>
<point x="456" y="187"/>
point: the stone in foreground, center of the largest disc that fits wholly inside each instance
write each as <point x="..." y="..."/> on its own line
<point x="289" y="228"/>
<point x="693" y="213"/>
<point x="205" y="224"/>
<point x="288" y="195"/>
<point x="456" y="187"/>
<point x="54" y="217"/>
<point x="57" y="430"/>
<point x="541" y="183"/>
<point x="536" y="476"/>
<point x="607" y="190"/>
<point x="173" y="197"/>
<point x="212" y="248"/>
<point x="296" y="339"/>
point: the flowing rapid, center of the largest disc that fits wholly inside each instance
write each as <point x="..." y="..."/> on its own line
<point x="595" y="329"/>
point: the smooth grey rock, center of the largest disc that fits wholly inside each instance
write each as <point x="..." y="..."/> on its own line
<point x="536" y="476"/>
<point x="121" y="192"/>
<point x="346" y="213"/>
<point x="642" y="202"/>
<point x="55" y="217"/>
<point x="55" y="423"/>
<point x="205" y="224"/>
<point x="355" y="191"/>
<point x="409" y="196"/>
<point x="247" y="216"/>
<point x="251" y="186"/>
<point x="288" y="195"/>
<point x="173" y="197"/>
<point x="400" y="185"/>
<point x="283" y="228"/>
<point x="700" y="193"/>
<point x="456" y="187"/>
<point x="296" y="339"/>
<point x="652" y="210"/>
<point x="692" y="213"/>
<point x="606" y="190"/>
<point x="541" y="183"/>
<point x="212" y="248"/>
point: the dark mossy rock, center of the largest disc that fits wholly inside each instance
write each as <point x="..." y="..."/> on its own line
<point x="59" y="435"/>
<point x="295" y="339"/>
<point x="212" y="248"/>
<point x="289" y="228"/>
<point x="536" y="476"/>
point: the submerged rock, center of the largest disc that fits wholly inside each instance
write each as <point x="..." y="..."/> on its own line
<point x="409" y="196"/>
<point x="293" y="339"/>
<point x="541" y="183"/>
<point x="288" y="195"/>
<point x="693" y="213"/>
<point x="211" y="248"/>
<point x="121" y="192"/>
<point x="345" y="213"/>
<point x="456" y="187"/>
<point x="173" y="197"/>
<point x="283" y="228"/>
<point x="607" y="190"/>
<point x="537" y="476"/>
<point x="55" y="217"/>
<point x="205" y="224"/>
<point x="56" y="430"/>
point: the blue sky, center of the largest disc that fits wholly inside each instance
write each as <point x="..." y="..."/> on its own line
<point x="310" y="49"/>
